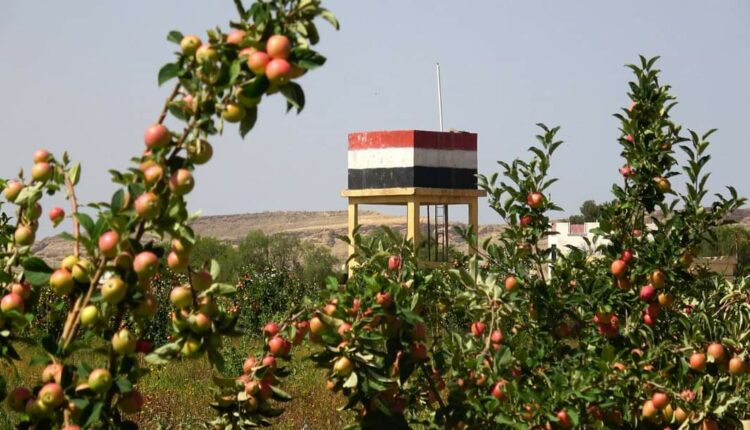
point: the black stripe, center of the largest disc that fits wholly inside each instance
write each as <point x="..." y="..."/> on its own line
<point x="417" y="176"/>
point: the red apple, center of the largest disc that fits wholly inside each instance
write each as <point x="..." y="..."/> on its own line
<point x="41" y="155"/>
<point x="41" y="172"/>
<point x="108" y="242"/>
<point x="147" y="206"/>
<point x="648" y="293"/>
<point x="11" y="302"/>
<point x="716" y="351"/>
<point x="477" y="328"/>
<point x="56" y="215"/>
<point x="394" y="262"/>
<point x="511" y="283"/>
<point x="182" y="297"/>
<point x="626" y="256"/>
<point x="146" y="264"/>
<point x="202" y="280"/>
<point x="563" y="419"/>
<point x="12" y="189"/>
<point x="618" y="268"/>
<point x="535" y="200"/>
<point x="23" y="289"/>
<point x="61" y="282"/>
<point x="51" y="395"/>
<point x="257" y="62"/>
<point x="181" y="182"/>
<point x="157" y="136"/>
<point x="660" y="400"/>
<point x="278" y="46"/>
<point x="131" y="403"/>
<point x="17" y="399"/>
<point x="235" y="37"/>
<point x="384" y="299"/>
<point x="276" y="346"/>
<point x="271" y="329"/>
<point x="698" y="362"/>
<point x="278" y="70"/>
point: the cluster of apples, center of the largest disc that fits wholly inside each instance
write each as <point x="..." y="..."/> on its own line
<point x="13" y="305"/>
<point x="60" y="385"/>
<point x="658" y="409"/>
<point x="717" y="354"/>
<point x="652" y="293"/>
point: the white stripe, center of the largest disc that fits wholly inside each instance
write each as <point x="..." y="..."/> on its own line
<point x="408" y="157"/>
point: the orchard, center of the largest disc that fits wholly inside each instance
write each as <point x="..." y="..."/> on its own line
<point x="630" y="335"/>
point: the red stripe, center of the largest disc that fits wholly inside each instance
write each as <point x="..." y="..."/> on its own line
<point x="412" y="139"/>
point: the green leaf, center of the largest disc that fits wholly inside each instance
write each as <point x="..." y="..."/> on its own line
<point x="167" y="72"/>
<point x="87" y="223"/>
<point x="307" y="58"/>
<point x="175" y="36"/>
<point x="330" y="17"/>
<point x="36" y="271"/>
<point x="279" y="394"/>
<point x="215" y="269"/>
<point x="351" y="381"/>
<point x="91" y="414"/>
<point x="118" y="201"/>
<point x="256" y="87"/>
<point x="295" y="97"/>
<point x="75" y="173"/>
<point x="248" y="122"/>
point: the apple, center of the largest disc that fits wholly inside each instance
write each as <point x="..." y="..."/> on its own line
<point x="627" y="171"/>
<point x="12" y="189"/>
<point x="627" y="256"/>
<point x="511" y="283"/>
<point x="82" y="271"/>
<point x="657" y="279"/>
<point x="130" y="403"/>
<point x="51" y="395"/>
<point x="181" y="182"/>
<point x="157" y="136"/>
<point x="618" y="268"/>
<point x="235" y="37"/>
<point x="124" y="260"/>
<point x="233" y="112"/>
<point x="277" y="346"/>
<point x="40" y="155"/>
<point x="89" y="316"/>
<point x="296" y="72"/>
<point x="147" y="206"/>
<point x="41" y="172"/>
<point x="526" y="220"/>
<point x="317" y="327"/>
<point x="651" y="313"/>
<point x="146" y="264"/>
<point x="329" y="309"/>
<point x="206" y="53"/>
<point x="648" y="293"/>
<point x="271" y="329"/>
<point x="153" y="174"/>
<point x="477" y="328"/>
<point x="108" y="242"/>
<point x="23" y="289"/>
<point x="182" y="297"/>
<point x="629" y="138"/>
<point x="249" y="364"/>
<point x="34" y="212"/>
<point x="270" y="362"/>
<point x="265" y="390"/>
<point x="191" y="348"/>
<point x="56" y="215"/>
<point x="199" y="151"/>
<point x="61" y="282"/>
<point x="246" y="52"/>
<point x="247" y="101"/>
<point x="17" y="399"/>
<point x="24" y="235"/>
<point x="563" y="419"/>
<point x="496" y="336"/>
<point x="181" y="247"/>
<point x="736" y="366"/>
<point x="680" y="415"/>
<point x="176" y="263"/>
<point x="100" y="380"/>
<point x="535" y="199"/>
<point x="698" y="362"/>
<point x="623" y="283"/>
<point x="278" y="46"/>
<point x="343" y="367"/>
<point x="257" y="62"/>
<point x="68" y="262"/>
<point x="278" y="70"/>
<point x="344" y="328"/>
<point x="11" y="302"/>
<point x="52" y="373"/>
<point x="123" y="342"/>
<point x="709" y="424"/>
<point x="419" y="331"/>
<point x="660" y="400"/>
<point x="384" y="299"/>
<point x="190" y="44"/>
<point x="716" y="351"/>
<point x="663" y="185"/>
<point x="114" y="290"/>
<point x="497" y="389"/>
<point x="394" y="262"/>
<point x="201" y="323"/>
<point x="648" y="410"/>
<point x="418" y="352"/>
<point x="665" y="300"/>
<point x="202" y="280"/>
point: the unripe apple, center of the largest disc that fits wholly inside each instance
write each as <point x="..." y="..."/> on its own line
<point x="201" y="323"/>
<point x="201" y="280"/>
<point x="176" y="263"/>
<point x="716" y="351"/>
<point x="189" y="44"/>
<point x="182" y="297"/>
<point x="56" y="215"/>
<point x="698" y="362"/>
<point x="153" y="174"/>
<point x="114" y="290"/>
<point x="278" y="46"/>
<point x="12" y="189"/>
<point x="249" y="364"/>
<point x="535" y="200"/>
<point x="147" y="308"/>
<point x="511" y="283"/>
<point x="41" y="172"/>
<point x="17" y="399"/>
<point x="147" y="206"/>
<point x="146" y="264"/>
<point x="343" y="367"/>
<point x="52" y="373"/>
<point x="23" y="289"/>
<point x="34" y="212"/>
<point x="191" y="348"/>
<point x="233" y="112"/>
<point x="100" y="380"/>
<point x="131" y="403"/>
<point x="40" y="155"/>
<point x="477" y="328"/>
<point x="68" y="262"/>
<point x="108" y="242"/>
<point x="317" y="327"/>
<point x="247" y="101"/>
<point x="278" y="70"/>
<point x="235" y="37"/>
<point x="123" y="342"/>
<point x="271" y="329"/>
<point x="181" y="182"/>
<point x="257" y="62"/>
<point x="663" y="185"/>
<point x="52" y="395"/>
<point x="24" y="235"/>
<point x="89" y="316"/>
<point x="657" y="279"/>
<point x="181" y="246"/>
<point x="665" y="300"/>
<point x="82" y="271"/>
<point x="199" y="151"/>
<point x="157" y="136"/>
<point x="206" y="54"/>
<point x="11" y="302"/>
<point x="618" y="268"/>
<point x="394" y="262"/>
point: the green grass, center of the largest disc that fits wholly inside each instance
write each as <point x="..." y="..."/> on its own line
<point x="177" y="395"/>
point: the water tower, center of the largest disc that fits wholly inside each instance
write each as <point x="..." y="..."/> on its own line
<point x="416" y="169"/>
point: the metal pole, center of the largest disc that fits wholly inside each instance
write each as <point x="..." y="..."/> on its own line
<point x="440" y="96"/>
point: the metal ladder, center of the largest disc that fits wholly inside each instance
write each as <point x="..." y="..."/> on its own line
<point x="437" y="250"/>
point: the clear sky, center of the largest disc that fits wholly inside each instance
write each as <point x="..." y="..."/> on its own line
<point x="81" y="76"/>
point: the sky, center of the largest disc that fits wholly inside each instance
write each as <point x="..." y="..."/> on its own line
<point x="82" y="75"/>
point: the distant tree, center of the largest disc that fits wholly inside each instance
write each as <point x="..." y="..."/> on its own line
<point x="590" y="211"/>
<point x="576" y="219"/>
<point x="730" y="241"/>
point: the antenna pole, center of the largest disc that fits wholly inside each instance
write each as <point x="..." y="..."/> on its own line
<point x="440" y="96"/>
